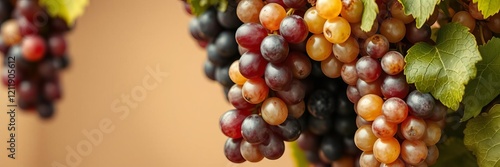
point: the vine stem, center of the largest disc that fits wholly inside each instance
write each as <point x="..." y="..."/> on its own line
<point x="290" y="11"/>
<point x="481" y="34"/>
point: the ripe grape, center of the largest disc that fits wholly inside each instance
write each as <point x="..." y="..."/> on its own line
<point x="274" y="111"/>
<point x="368" y="69"/>
<point x="413" y="152"/>
<point x="271" y="15"/>
<point x="493" y="23"/>
<point x="368" y="159"/>
<point x="329" y="9"/>
<point x="376" y="46"/>
<point x="300" y="64"/>
<point x="252" y="65"/>
<point x="250" y="35"/>
<point x="413" y="128"/>
<point x="347" y="51"/>
<point x="395" y="86"/>
<point x="420" y="104"/>
<point x="392" y="62"/>
<point x="432" y="133"/>
<point x="432" y="155"/>
<point x="278" y="77"/>
<point x="318" y="48"/>
<point x="369" y="107"/>
<point x="386" y="150"/>
<point x="232" y="150"/>
<point x="464" y="18"/>
<point x="33" y="48"/>
<point x="295" y="3"/>
<point x="254" y="129"/>
<point x="395" y="110"/>
<point x="255" y="90"/>
<point x="248" y="10"/>
<point x="331" y="147"/>
<point x="235" y="75"/>
<point x="274" y="48"/>
<point x="273" y="148"/>
<point x="295" y="94"/>
<point x="235" y="97"/>
<point x="314" y="22"/>
<point x="337" y="30"/>
<point x="230" y="122"/>
<point x="296" y="110"/>
<point x="365" y="88"/>
<point x="331" y="67"/>
<point x="348" y="73"/>
<point x="397" y="11"/>
<point x="289" y="130"/>
<point x="250" y="152"/>
<point x="364" y="138"/>
<point x="321" y="104"/>
<point x="294" y="29"/>
<point x="208" y="23"/>
<point x="383" y="129"/>
<point x="393" y="29"/>
<point x="352" y="10"/>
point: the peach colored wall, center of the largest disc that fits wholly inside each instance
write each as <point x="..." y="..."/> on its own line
<point x="175" y="124"/>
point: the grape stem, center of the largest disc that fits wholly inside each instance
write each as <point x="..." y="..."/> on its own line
<point x="481" y="34"/>
<point x="290" y="11"/>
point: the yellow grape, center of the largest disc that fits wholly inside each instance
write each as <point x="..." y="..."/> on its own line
<point x="11" y="32"/>
<point x="329" y="9"/>
<point x="271" y="15"/>
<point x="369" y="107"/>
<point x="364" y="138"/>
<point x="248" y="10"/>
<point x="314" y="21"/>
<point x="235" y="75"/>
<point x="386" y="150"/>
<point x="274" y="111"/>
<point x="331" y="67"/>
<point x="337" y="30"/>
<point x="318" y="48"/>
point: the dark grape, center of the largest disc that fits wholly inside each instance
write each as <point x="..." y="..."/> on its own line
<point x="332" y="147"/>
<point x="273" y="148"/>
<point x="321" y="104"/>
<point x="420" y="104"/>
<point x="289" y="130"/>
<point x="209" y="25"/>
<point x="274" y="48"/>
<point x="232" y="150"/>
<point x="226" y="44"/>
<point x="254" y="129"/>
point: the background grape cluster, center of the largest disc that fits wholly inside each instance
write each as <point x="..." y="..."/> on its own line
<point x="37" y="43"/>
<point x="306" y="71"/>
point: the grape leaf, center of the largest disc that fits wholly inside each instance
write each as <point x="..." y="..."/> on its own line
<point x="67" y="10"/>
<point x="444" y="69"/>
<point x="298" y="155"/>
<point x="488" y="7"/>
<point x="200" y="6"/>
<point x="482" y="137"/>
<point x="419" y="9"/>
<point x="486" y="86"/>
<point x="454" y="153"/>
<point x="370" y="11"/>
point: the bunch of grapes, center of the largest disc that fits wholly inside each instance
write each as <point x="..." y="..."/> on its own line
<point x="308" y="72"/>
<point x="34" y="50"/>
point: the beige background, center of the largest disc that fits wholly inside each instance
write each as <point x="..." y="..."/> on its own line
<point x="175" y="125"/>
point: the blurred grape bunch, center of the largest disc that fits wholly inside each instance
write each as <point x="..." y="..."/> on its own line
<point x="35" y="49"/>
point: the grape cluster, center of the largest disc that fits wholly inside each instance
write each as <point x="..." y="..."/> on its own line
<point x="34" y="50"/>
<point x="308" y="72"/>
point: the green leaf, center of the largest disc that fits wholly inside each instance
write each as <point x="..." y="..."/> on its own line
<point x="486" y="86"/>
<point x="298" y="155"/>
<point x="419" y="9"/>
<point x="200" y="6"/>
<point x="488" y="7"/>
<point x="68" y="10"/>
<point x="454" y="153"/>
<point x="482" y="137"/>
<point x="444" y="69"/>
<point x="370" y="11"/>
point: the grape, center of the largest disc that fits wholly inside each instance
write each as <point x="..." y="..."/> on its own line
<point x="474" y="11"/>
<point x="438" y="112"/>
<point x="214" y="56"/>
<point x="250" y="35"/>
<point x="300" y="64"/>
<point x="369" y="107"/>
<point x="331" y="67"/>
<point x="321" y="104"/>
<point x="344" y="125"/>
<point x="289" y="130"/>
<point x="367" y="159"/>
<point x="27" y="91"/>
<point x="274" y="48"/>
<point x="432" y="155"/>
<point x="230" y="122"/>
<point x="353" y="94"/>
<point x="319" y="126"/>
<point x="395" y="110"/>
<point x="383" y="129"/>
<point x="345" y="161"/>
<point x="395" y="86"/>
<point x="236" y="99"/>
<point x="432" y="133"/>
<point x="329" y="9"/>
<point x="250" y="152"/>
<point x="252" y="65"/>
<point x="45" y="109"/>
<point x="397" y="12"/>
<point x="365" y="88"/>
<point x="361" y="122"/>
<point x="248" y="10"/>
<point x="235" y="75"/>
<point x="307" y="141"/>
<point x="295" y="94"/>
<point x="318" y="48"/>
<point x="393" y="29"/>
<point x="254" y="129"/>
<point x="314" y="22"/>
<point x="226" y="44"/>
<point x="274" y="111"/>
<point x="357" y="32"/>
<point x="57" y="45"/>
<point x="352" y="10"/>
<point x="414" y="34"/>
<point x="344" y="106"/>
<point x="11" y="33"/>
<point x="413" y="152"/>
<point x="232" y="150"/>
<point x="209" y="25"/>
<point x="392" y="62"/>
<point x="364" y="138"/>
<point x="420" y="104"/>
<point x="295" y="3"/>
<point x="294" y="29"/>
<point x="296" y="110"/>
<point x="280" y="2"/>
<point x="376" y="46"/>
<point x="255" y="90"/>
<point x="346" y="52"/>
<point x="278" y="76"/>
<point x="433" y="17"/>
<point x="271" y="15"/>
<point x="222" y="76"/>
<point x="368" y="69"/>
<point x="348" y="73"/>
<point x="493" y="23"/>
<point x="331" y="147"/>
<point x="464" y="18"/>
<point x="228" y="18"/>
<point x="272" y="149"/>
<point x="337" y="30"/>
<point x="413" y="128"/>
<point x="386" y="150"/>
